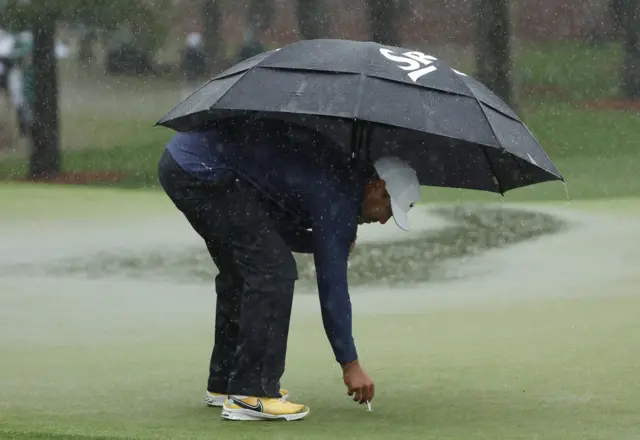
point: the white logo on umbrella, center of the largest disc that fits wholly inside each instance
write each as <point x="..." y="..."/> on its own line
<point x="417" y="63"/>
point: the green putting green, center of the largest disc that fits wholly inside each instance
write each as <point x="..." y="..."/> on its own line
<point x="556" y="368"/>
<point x="543" y="345"/>
<point x="35" y="201"/>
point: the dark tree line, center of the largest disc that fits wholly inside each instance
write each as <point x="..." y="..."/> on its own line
<point x="491" y="31"/>
<point x="42" y="18"/>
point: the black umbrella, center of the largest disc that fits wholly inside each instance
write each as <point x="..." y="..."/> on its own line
<point x="375" y="100"/>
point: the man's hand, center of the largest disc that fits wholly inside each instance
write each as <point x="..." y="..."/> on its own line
<point x="359" y="384"/>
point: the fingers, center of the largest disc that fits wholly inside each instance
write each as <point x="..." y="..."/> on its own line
<point x="358" y="395"/>
<point x="361" y="391"/>
<point x="365" y="394"/>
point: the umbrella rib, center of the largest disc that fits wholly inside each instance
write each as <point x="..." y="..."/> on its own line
<point x="493" y="171"/>
<point x="421" y="87"/>
<point x="381" y="78"/>
<point x="368" y="75"/>
<point x="544" y="152"/>
<point x="181" y="102"/>
<point x="502" y="149"/>
<point x="356" y="136"/>
<point x="242" y="74"/>
<point x="484" y="150"/>
<point x="484" y="113"/>
<point x="449" y="92"/>
<point x="356" y="111"/>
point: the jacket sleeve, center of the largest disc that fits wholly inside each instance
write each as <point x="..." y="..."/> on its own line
<point x="333" y="233"/>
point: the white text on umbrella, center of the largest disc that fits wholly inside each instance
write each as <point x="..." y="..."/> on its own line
<point x="418" y="63"/>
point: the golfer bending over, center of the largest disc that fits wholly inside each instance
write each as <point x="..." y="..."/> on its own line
<point x="255" y="193"/>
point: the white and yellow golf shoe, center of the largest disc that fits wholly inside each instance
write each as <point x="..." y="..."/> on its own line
<point x="262" y="408"/>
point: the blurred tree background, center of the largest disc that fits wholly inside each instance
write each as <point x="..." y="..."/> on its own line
<point x="141" y="43"/>
<point x="626" y="14"/>
<point x="146" y="24"/>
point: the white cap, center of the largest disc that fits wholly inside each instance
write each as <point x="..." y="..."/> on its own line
<point x="402" y="185"/>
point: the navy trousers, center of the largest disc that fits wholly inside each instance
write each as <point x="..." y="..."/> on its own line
<point x="255" y="284"/>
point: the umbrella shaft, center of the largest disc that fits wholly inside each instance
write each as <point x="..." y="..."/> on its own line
<point x="360" y="140"/>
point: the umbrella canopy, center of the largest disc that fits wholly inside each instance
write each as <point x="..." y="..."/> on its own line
<point x="375" y="100"/>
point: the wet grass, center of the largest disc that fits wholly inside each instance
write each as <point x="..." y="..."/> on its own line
<point x="470" y="231"/>
<point x="534" y="369"/>
<point x="558" y="71"/>
<point x="33" y="435"/>
<point x="107" y="358"/>
<point x="568" y="71"/>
